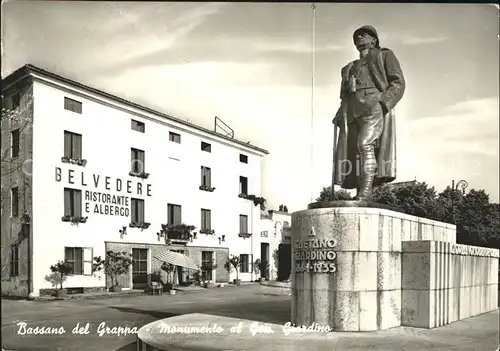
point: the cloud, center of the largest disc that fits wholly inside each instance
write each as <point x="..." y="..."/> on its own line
<point x="160" y="38"/>
<point x="297" y="47"/>
<point x="414" y="40"/>
<point x="411" y="39"/>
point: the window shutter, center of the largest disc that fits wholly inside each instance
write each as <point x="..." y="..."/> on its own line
<point x="134" y="210"/>
<point x="202" y="175"/>
<point x="77" y="203"/>
<point x="67" y="144"/>
<point x="142" y="158"/>
<point x="177" y="214"/>
<point x="209" y="220"/>
<point x="170" y="214"/>
<point x="87" y="260"/>
<point x="67" y="202"/>
<point x="133" y="162"/>
<point x="77" y="146"/>
<point x="209" y="177"/>
<point x="78" y="261"/>
<point x="203" y="219"/>
<point x="140" y="205"/>
<point x="243" y="224"/>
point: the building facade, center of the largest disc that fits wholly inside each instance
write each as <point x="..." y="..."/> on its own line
<point x="275" y="244"/>
<point x="95" y="173"/>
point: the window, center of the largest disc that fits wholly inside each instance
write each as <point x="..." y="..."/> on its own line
<point x="243" y="158"/>
<point x="140" y="266"/>
<point x="206" y="219"/>
<point x="14" y="198"/>
<point x="72" y="145"/>
<point x="176" y="138"/>
<point x="15" y="143"/>
<point x="206" y="262"/>
<point x="244" y="263"/>
<point x="16" y="101"/>
<point x="243" y="224"/>
<point x="14" y="261"/>
<point x="244" y="185"/>
<point x="137" y="164"/>
<point x="72" y="202"/>
<point x="206" y="147"/>
<point x="72" y="105"/>
<point x="174" y="214"/>
<point x="137" y="210"/>
<point x="206" y="176"/>
<point x="80" y="260"/>
<point x="138" y="126"/>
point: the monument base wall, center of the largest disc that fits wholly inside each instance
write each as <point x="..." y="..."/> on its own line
<point x="443" y="282"/>
<point x="347" y="271"/>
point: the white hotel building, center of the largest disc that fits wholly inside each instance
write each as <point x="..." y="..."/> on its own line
<point x="69" y="154"/>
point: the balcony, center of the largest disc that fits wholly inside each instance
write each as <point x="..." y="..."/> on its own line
<point x="179" y="233"/>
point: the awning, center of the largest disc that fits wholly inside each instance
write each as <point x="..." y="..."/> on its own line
<point x="177" y="259"/>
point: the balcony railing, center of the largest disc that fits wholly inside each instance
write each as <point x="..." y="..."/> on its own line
<point x="177" y="236"/>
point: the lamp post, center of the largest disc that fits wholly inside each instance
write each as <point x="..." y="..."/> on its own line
<point x="460" y="184"/>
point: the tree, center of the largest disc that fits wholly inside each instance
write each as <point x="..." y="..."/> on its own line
<point x="115" y="264"/>
<point x="477" y="220"/>
<point x="60" y="272"/>
<point x="327" y="195"/>
<point x="419" y="200"/>
<point x="384" y="194"/>
<point x="235" y="262"/>
<point x="21" y="116"/>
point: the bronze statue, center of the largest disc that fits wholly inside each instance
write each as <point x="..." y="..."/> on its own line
<point x="371" y="87"/>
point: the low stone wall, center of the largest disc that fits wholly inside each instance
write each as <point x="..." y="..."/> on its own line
<point x="443" y="282"/>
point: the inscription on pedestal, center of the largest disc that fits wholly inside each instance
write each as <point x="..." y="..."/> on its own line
<point x="315" y="256"/>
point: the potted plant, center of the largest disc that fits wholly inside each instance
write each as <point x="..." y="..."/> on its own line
<point x="168" y="269"/>
<point x="60" y="272"/>
<point x="234" y="261"/>
<point x="207" y="267"/>
<point x="261" y="266"/>
<point x="197" y="278"/>
<point x="115" y="264"/>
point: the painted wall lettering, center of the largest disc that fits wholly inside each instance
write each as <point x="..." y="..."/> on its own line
<point x="102" y="182"/>
<point x="106" y="204"/>
<point x="101" y="201"/>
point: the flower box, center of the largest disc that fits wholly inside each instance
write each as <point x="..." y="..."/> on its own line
<point x="74" y="220"/>
<point x="142" y="175"/>
<point x="144" y="225"/>
<point x="244" y="235"/>
<point x="74" y="161"/>
<point x="206" y="188"/>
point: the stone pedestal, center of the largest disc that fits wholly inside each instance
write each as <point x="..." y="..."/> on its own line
<point x="363" y="290"/>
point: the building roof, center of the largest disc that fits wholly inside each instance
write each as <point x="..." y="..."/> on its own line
<point x="28" y="69"/>
<point x="399" y="185"/>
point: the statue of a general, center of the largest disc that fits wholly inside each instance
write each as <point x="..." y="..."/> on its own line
<point x="365" y="153"/>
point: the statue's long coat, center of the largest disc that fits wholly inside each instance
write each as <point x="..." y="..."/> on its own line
<point x="388" y="77"/>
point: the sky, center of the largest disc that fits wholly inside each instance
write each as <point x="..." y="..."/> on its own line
<point x="251" y="65"/>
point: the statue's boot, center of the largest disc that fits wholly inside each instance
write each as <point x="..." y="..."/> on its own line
<point x="369" y="167"/>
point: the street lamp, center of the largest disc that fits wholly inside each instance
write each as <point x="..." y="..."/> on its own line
<point x="460" y="184"/>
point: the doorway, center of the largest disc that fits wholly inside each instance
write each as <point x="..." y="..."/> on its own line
<point x="264" y="257"/>
<point x="181" y="271"/>
<point x="284" y="261"/>
<point x="139" y="268"/>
